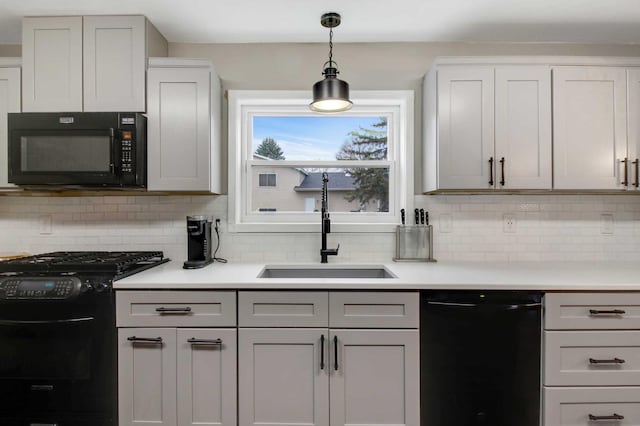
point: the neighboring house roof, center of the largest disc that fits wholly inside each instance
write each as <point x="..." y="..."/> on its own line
<point x="262" y="157"/>
<point x="338" y="181"/>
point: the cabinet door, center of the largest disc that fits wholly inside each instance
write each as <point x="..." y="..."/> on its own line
<point x="376" y="378"/>
<point x="465" y="127"/>
<point x="114" y="63"/>
<point x="147" y="376"/>
<point x="589" y="127"/>
<point x="633" y="87"/>
<point x="523" y="127"/>
<point x="178" y="123"/>
<point x="207" y="381"/>
<point x="52" y="64"/>
<point x="281" y="380"/>
<point x="9" y="102"/>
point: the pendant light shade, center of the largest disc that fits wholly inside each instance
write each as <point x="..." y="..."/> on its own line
<point x="331" y="94"/>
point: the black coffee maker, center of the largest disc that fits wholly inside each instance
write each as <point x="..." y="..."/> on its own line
<point x="199" y="242"/>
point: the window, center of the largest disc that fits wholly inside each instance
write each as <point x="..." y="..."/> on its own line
<point x="267" y="179"/>
<point x="279" y="150"/>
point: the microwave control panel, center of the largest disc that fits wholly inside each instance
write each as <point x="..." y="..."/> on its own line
<point x="127" y="154"/>
<point x="39" y="287"/>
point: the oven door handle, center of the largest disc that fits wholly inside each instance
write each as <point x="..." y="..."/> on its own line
<point x="64" y="321"/>
<point x="116" y="161"/>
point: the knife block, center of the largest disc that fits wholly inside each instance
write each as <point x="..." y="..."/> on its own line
<point x="414" y="243"/>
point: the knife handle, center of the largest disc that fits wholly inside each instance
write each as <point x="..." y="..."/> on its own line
<point x="417" y="214"/>
<point x="402" y="216"/>
<point x="421" y="216"/>
<point x="426" y="218"/>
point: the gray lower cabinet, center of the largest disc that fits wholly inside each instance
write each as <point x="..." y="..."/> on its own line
<point x="175" y="366"/>
<point x="283" y="377"/>
<point x="146" y="372"/>
<point x="320" y="376"/>
<point x="177" y="376"/>
<point x="374" y="377"/>
<point x="591" y="361"/>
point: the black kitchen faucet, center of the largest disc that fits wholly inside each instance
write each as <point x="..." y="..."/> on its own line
<point x="326" y="222"/>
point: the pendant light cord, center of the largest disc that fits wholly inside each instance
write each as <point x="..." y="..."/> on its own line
<point x="330" y="47"/>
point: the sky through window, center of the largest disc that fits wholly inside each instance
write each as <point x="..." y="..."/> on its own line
<point x="308" y="138"/>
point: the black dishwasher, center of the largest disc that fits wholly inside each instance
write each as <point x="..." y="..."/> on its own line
<point x="480" y="358"/>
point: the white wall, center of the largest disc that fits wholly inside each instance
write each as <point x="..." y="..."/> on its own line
<point x="547" y="228"/>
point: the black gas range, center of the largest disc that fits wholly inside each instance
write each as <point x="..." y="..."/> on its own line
<point x="58" y="346"/>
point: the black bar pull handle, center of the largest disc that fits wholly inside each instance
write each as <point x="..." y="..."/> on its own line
<point x="42" y="388"/>
<point x="491" y="171"/>
<point x="135" y="339"/>
<point x="322" y="352"/>
<point x="625" y="182"/>
<point x="606" y="361"/>
<point x="502" y="181"/>
<point x="614" y="416"/>
<point x="335" y="352"/>
<point x="636" y="163"/>
<point x="208" y="342"/>
<point x="164" y="310"/>
<point x="607" y="312"/>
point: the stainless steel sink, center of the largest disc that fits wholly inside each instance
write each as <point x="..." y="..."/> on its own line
<point x="314" y="271"/>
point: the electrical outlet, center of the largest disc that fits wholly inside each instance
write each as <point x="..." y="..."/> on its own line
<point x="606" y="223"/>
<point x="446" y="223"/>
<point x="44" y="224"/>
<point x="509" y="223"/>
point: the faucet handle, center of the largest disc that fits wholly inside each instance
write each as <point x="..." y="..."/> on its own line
<point x="337" y="248"/>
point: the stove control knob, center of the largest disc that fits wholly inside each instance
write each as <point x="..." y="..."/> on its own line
<point x="101" y="286"/>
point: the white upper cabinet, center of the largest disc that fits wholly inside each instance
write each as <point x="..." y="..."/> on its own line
<point x="490" y="127"/>
<point x="52" y="64"/>
<point x="523" y="127"/>
<point x="114" y="58"/>
<point x="183" y="126"/>
<point x="465" y="127"/>
<point x="91" y="63"/>
<point x="589" y="130"/>
<point x="9" y="102"/>
<point x="633" y="87"/>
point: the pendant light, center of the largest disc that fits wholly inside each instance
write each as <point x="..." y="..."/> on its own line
<point x="331" y="94"/>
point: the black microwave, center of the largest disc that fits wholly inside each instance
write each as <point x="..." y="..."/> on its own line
<point x="79" y="149"/>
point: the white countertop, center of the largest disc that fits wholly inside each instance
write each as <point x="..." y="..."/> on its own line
<point x="609" y="276"/>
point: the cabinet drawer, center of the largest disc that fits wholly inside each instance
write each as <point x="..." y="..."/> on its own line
<point x="283" y="309"/>
<point x="374" y="310"/>
<point x="175" y="308"/>
<point x="592" y="358"/>
<point x="597" y="311"/>
<point x="572" y="406"/>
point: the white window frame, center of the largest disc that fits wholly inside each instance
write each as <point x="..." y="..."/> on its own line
<point x="396" y="105"/>
<point x="275" y="180"/>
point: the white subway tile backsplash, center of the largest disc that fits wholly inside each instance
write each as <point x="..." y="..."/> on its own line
<point x="467" y="227"/>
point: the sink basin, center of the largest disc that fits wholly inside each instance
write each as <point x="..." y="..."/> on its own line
<point x="314" y="271"/>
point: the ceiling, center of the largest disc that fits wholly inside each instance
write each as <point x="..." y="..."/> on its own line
<point x="251" y="21"/>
